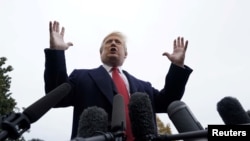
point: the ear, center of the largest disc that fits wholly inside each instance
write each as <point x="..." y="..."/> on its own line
<point x="126" y="54"/>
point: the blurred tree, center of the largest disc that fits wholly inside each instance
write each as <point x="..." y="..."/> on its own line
<point x="162" y="128"/>
<point x="7" y="103"/>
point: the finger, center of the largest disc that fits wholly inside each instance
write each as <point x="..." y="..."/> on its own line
<point x="57" y="26"/>
<point x="54" y="26"/>
<point x="175" y="44"/>
<point x="166" y="54"/>
<point x="50" y="26"/>
<point x="62" y="32"/>
<point x="178" y="42"/>
<point x="70" y="44"/>
<point x="186" y="45"/>
<point x="182" y="42"/>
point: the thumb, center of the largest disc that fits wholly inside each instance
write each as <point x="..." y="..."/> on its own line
<point x="166" y="54"/>
<point x="70" y="44"/>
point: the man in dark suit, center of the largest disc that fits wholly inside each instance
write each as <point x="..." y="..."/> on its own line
<point x="95" y="87"/>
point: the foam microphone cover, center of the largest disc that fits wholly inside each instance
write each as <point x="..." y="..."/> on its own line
<point x="248" y="113"/>
<point x="43" y="105"/>
<point x="141" y="116"/>
<point x="232" y="112"/>
<point x="93" y="121"/>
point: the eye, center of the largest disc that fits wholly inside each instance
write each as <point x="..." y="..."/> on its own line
<point x="118" y="41"/>
<point x="108" y="41"/>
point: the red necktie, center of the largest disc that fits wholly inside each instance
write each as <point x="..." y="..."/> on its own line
<point x="121" y="87"/>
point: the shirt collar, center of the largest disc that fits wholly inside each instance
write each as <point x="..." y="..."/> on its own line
<point x="109" y="68"/>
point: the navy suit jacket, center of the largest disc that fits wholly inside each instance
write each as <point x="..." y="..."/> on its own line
<point x="94" y="87"/>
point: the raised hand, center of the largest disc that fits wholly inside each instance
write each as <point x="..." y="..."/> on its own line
<point x="178" y="55"/>
<point x="56" y="37"/>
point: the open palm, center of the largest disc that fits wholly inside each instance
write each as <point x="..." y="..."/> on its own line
<point x="57" y="37"/>
<point x="178" y="55"/>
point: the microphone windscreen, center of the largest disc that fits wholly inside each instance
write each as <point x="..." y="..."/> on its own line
<point x="231" y="111"/>
<point x="118" y="114"/>
<point x="43" y="105"/>
<point x="141" y="116"/>
<point x="93" y="121"/>
<point x="248" y="113"/>
<point x="182" y="117"/>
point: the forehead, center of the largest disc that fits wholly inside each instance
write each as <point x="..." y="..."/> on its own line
<point x="113" y="36"/>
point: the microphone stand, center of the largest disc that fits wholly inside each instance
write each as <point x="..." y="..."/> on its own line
<point x="199" y="134"/>
<point x="13" y="126"/>
<point x="110" y="136"/>
<point x="120" y="134"/>
<point x="116" y="134"/>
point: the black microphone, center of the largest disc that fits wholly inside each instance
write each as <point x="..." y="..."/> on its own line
<point x="192" y="135"/>
<point x="43" y="105"/>
<point x="93" y="121"/>
<point x="232" y="112"/>
<point x="142" y="117"/>
<point x="183" y="118"/>
<point x="118" y="122"/>
<point x="15" y="124"/>
<point x="93" y="125"/>
<point x="248" y="113"/>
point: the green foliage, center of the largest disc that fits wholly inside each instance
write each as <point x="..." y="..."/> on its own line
<point x="7" y="103"/>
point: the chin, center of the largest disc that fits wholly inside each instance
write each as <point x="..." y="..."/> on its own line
<point x="113" y="56"/>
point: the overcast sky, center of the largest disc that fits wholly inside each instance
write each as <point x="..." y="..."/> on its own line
<point x="218" y="32"/>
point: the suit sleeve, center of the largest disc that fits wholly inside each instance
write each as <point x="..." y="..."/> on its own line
<point x="175" y="83"/>
<point x="55" y="72"/>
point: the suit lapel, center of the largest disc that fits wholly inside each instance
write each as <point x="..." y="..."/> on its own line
<point x="131" y="81"/>
<point x="104" y="82"/>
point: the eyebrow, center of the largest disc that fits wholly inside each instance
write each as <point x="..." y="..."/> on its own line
<point x="114" y="39"/>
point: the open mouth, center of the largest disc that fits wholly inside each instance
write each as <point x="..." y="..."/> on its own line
<point x="113" y="49"/>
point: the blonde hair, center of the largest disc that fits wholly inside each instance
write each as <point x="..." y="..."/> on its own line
<point x="116" y="33"/>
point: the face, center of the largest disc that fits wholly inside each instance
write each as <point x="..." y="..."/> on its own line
<point x="113" y="51"/>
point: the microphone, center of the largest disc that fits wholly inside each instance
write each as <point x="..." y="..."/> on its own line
<point x="141" y="116"/>
<point x="118" y="122"/>
<point x="248" y="113"/>
<point x="43" y="105"/>
<point x="93" y="126"/>
<point x="183" y="118"/>
<point x="93" y="123"/>
<point x="232" y="112"/>
<point x="15" y="124"/>
<point x="93" y="120"/>
<point x="192" y="135"/>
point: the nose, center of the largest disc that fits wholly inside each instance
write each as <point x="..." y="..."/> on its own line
<point x="113" y="43"/>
